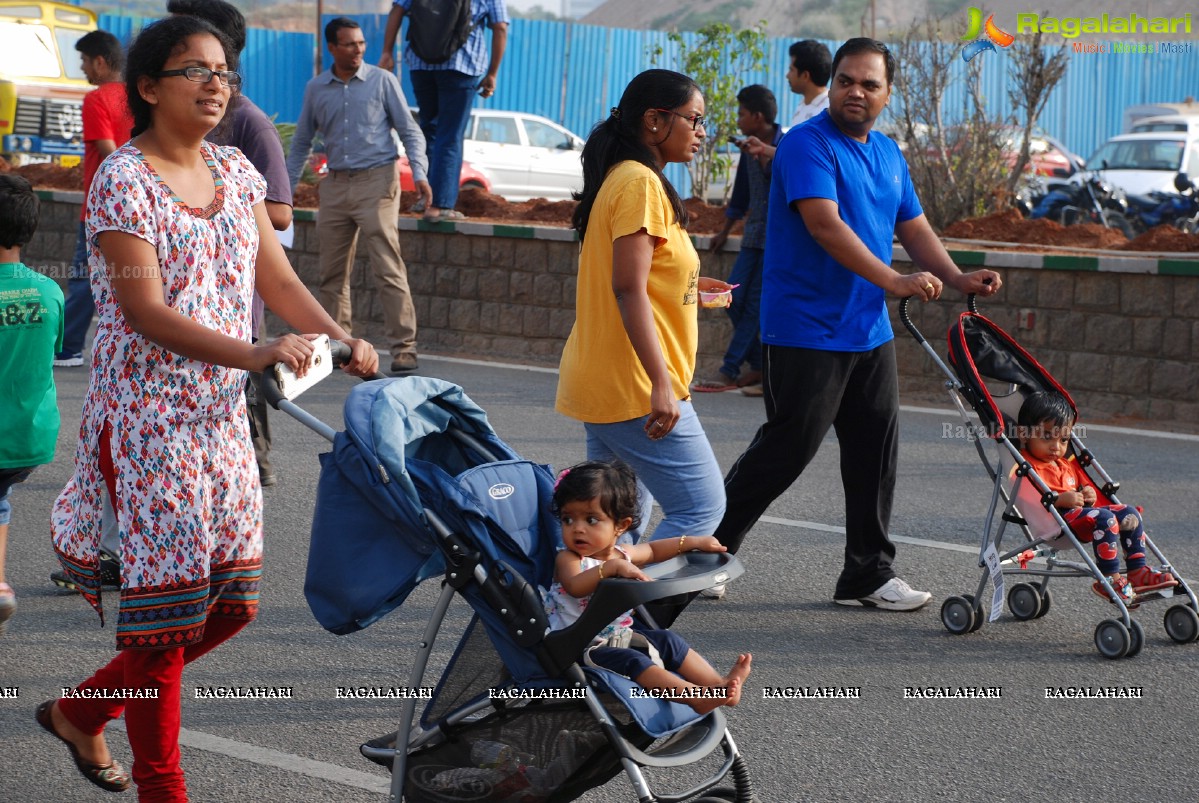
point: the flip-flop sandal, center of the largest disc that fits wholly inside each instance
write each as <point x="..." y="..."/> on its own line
<point x="718" y="384"/>
<point x="110" y="777"/>
<point x="749" y="378"/>
<point x="452" y="214"/>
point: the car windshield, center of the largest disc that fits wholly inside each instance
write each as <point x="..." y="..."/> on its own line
<point x="1138" y="154"/>
<point x="72" y="64"/>
<point x="28" y="51"/>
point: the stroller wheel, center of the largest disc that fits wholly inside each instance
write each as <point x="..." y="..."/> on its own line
<point x="1112" y="639"/>
<point x="1136" y="635"/>
<point x="1046" y="599"/>
<point x="1182" y="624"/>
<point x="1024" y="601"/>
<point x="979" y="618"/>
<point x="957" y="614"/>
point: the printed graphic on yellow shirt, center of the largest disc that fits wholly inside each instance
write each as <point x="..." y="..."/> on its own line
<point x="692" y="294"/>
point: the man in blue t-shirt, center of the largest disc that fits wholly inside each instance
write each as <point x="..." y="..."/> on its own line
<point x="838" y="194"/>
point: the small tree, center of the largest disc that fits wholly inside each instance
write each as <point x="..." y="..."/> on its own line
<point x="955" y="168"/>
<point x="718" y="62"/>
<point x="1035" y="71"/>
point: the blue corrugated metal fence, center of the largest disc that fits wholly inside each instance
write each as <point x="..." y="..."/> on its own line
<point x="573" y="73"/>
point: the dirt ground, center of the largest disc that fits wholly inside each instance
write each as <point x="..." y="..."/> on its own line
<point x="1002" y="227"/>
<point x="1009" y="227"/>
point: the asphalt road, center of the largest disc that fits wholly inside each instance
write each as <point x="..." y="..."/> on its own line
<point x="879" y="747"/>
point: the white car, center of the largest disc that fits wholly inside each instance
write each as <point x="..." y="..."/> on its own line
<point x="523" y="155"/>
<point x="1143" y="162"/>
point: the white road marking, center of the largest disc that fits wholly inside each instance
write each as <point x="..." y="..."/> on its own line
<point x="907" y="408"/>
<point x="1148" y="433"/>
<point x="320" y="770"/>
<point x="899" y="539"/>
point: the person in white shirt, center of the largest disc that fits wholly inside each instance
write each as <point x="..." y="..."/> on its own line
<point x="808" y="74"/>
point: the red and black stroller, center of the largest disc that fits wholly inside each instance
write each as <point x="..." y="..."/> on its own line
<point x="992" y="374"/>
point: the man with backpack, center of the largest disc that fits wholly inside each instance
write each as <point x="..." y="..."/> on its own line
<point x="447" y="61"/>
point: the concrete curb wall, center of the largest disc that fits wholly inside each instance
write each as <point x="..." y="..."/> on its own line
<point x="1120" y="332"/>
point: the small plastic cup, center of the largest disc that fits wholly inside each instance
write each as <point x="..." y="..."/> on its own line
<point x="718" y="299"/>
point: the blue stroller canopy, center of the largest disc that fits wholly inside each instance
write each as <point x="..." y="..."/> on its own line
<point x="371" y="540"/>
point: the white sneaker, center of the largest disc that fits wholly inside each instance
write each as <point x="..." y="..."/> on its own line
<point x="715" y="592"/>
<point x="893" y="595"/>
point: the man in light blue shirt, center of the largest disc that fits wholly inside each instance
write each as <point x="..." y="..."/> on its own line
<point x="355" y="107"/>
<point x="445" y="92"/>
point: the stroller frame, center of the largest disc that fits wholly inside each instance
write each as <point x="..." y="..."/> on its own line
<point x="1120" y="637"/>
<point x="520" y="607"/>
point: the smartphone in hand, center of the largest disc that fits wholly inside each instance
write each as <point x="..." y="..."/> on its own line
<point x="738" y="140"/>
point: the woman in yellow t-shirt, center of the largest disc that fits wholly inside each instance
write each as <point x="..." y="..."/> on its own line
<point x="630" y="357"/>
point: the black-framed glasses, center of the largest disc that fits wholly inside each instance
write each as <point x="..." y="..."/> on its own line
<point x="202" y="75"/>
<point x="697" y="120"/>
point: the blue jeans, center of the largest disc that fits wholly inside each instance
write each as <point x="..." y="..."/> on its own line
<point x="80" y="306"/>
<point x="745" y="345"/>
<point x="445" y="98"/>
<point x="8" y="478"/>
<point x="680" y="471"/>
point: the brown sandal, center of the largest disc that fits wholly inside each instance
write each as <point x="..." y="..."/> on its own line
<point x="110" y="777"/>
<point x="717" y="384"/>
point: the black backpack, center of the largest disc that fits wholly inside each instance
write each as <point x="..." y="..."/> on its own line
<point x="438" y="28"/>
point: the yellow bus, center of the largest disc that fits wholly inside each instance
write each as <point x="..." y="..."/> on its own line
<point x="41" y="81"/>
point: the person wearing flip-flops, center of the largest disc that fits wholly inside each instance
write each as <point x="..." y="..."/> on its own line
<point x="756" y="111"/>
<point x="180" y="239"/>
<point x="30" y="336"/>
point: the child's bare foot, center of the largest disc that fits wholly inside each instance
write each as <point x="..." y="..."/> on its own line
<point x="736" y="678"/>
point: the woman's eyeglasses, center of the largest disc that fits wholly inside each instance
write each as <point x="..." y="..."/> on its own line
<point x="697" y="120"/>
<point x="202" y="75"/>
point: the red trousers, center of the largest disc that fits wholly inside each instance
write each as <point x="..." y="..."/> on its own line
<point x="152" y="724"/>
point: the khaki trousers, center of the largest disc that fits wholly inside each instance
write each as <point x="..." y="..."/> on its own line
<point x="366" y="202"/>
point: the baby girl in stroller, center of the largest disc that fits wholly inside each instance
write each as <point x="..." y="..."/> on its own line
<point x="596" y="503"/>
<point x="1044" y="425"/>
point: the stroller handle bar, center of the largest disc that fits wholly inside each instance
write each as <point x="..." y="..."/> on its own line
<point x="274" y="394"/>
<point x="906" y="318"/>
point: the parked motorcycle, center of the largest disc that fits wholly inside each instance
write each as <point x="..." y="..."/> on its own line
<point x="1180" y="210"/>
<point x="1091" y="200"/>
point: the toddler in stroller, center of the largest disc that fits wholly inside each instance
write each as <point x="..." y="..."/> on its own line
<point x="1044" y="426"/>
<point x="596" y="503"/>
<point x="1053" y="489"/>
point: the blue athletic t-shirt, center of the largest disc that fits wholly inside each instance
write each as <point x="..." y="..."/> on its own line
<point x="808" y="299"/>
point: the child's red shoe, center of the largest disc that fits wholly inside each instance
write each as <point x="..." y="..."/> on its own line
<point x="1120" y="585"/>
<point x="1144" y="580"/>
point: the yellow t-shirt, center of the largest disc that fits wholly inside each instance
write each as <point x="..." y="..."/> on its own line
<point x="601" y="381"/>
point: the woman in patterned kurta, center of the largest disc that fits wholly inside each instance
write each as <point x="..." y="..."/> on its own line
<point x="175" y="231"/>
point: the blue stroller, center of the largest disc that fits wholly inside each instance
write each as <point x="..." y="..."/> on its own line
<point x="993" y="374"/>
<point x="418" y="486"/>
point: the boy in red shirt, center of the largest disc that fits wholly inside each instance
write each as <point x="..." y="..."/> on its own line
<point x="1046" y="421"/>
<point x="106" y="126"/>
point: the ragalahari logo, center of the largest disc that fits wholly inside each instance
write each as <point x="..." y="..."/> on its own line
<point x="991" y="35"/>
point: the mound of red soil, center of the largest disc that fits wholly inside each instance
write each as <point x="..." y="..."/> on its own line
<point x="52" y="176"/>
<point x="1009" y="227"/>
<point x="1164" y="238"/>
